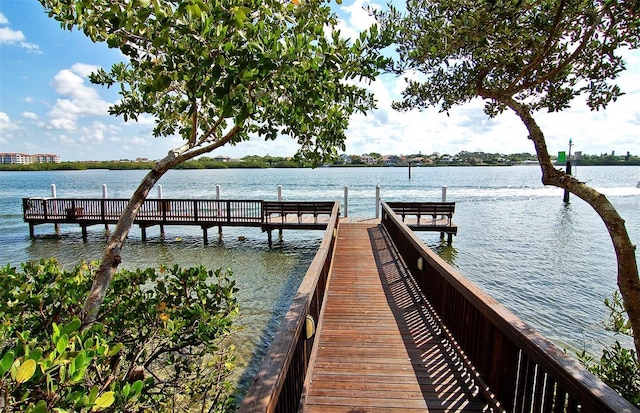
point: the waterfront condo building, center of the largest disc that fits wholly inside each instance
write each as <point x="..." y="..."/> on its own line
<point x="12" y="158"/>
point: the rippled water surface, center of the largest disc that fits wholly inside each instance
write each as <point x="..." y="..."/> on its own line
<point x="550" y="263"/>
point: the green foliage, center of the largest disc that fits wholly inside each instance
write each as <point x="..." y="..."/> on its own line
<point x="618" y="320"/>
<point x="542" y="53"/>
<point x="618" y="367"/>
<point x="217" y="72"/>
<point x="158" y="344"/>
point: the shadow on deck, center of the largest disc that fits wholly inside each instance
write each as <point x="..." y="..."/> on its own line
<point x="379" y="346"/>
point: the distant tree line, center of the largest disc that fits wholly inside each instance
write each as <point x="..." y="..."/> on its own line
<point x="463" y="158"/>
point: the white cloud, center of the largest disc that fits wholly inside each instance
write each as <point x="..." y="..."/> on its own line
<point x="6" y="123"/>
<point x="63" y="124"/>
<point x="357" y="19"/>
<point x="84" y="69"/>
<point x="11" y="37"/>
<point x="30" y="115"/>
<point x="146" y="120"/>
<point x="80" y="100"/>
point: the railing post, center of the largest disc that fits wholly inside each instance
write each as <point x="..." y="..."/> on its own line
<point x="279" y="193"/>
<point x="218" y="199"/>
<point x="346" y="201"/>
<point x="163" y="209"/>
<point x="444" y="199"/>
<point x="54" y="195"/>
<point x="102" y="206"/>
<point x="377" y="201"/>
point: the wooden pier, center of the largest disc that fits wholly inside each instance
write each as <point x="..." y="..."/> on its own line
<point x="398" y="329"/>
<point x="379" y="347"/>
<point x="209" y="213"/>
<point x="205" y="213"/>
<point x="379" y="323"/>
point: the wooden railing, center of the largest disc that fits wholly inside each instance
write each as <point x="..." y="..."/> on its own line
<point x="152" y="210"/>
<point x="280" y="379"/>
<point x="519" y="369"/>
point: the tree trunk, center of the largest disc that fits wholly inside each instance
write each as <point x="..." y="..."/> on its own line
<point x="628" y="280"/>
<point x="112" y="258"/>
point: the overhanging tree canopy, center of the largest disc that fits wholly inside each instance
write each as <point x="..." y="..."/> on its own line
<point x="216" y="72"/>
<point x="525" y="55"/>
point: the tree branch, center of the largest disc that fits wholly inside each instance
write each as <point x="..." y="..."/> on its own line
<point x="553" y="73"/>
<point x="543" y="52"/>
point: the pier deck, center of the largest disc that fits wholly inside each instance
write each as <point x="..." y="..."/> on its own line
<point x="379" y="347"/>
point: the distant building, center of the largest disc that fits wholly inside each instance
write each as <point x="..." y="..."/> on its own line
<point x="369" y="160"/>
<point x="222" y="159"/>
<point x="346" y="159"/>
<point x="391" y="160"/>
<point x="12" y="158"/>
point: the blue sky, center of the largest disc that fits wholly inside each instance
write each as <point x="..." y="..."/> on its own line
<point x="47" y="105"/>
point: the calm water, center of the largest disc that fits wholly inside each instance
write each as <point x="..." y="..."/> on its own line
<point x="551" y="264"/>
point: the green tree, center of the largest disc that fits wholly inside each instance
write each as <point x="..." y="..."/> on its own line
<point x="525" y="56"/>
<point x="217" y="72"/>
<point x="160" y="342"/>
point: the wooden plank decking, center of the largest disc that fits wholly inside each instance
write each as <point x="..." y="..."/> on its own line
<point x="379" y="348"/>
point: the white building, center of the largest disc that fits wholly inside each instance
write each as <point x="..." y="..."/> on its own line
<point x="12" y="158"/>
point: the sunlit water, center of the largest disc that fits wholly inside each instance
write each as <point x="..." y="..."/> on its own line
<point x="551" y="264"/>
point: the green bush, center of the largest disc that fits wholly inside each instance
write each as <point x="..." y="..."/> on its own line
<point x="618" y="367"/>
<point x="158" y="344"/>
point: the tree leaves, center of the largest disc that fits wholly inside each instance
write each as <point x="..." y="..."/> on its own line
<point x="243" y="51"/>
<point x="542" y="51"/>
<point x="25" y="371"/>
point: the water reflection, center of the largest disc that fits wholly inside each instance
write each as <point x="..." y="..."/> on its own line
<point x="446" y="251"/>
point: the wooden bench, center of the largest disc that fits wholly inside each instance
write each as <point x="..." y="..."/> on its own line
<point x="283" y="209"/>
<point x="421" y="209"/>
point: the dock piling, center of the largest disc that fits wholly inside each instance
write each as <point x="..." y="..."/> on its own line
<point x="54" y="195"/>
<point x="346" y="201"/>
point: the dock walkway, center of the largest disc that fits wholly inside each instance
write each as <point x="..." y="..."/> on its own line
<point x="379" y="348"/>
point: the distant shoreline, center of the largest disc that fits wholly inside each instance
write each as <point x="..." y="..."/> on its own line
<point x="83" y="166"/>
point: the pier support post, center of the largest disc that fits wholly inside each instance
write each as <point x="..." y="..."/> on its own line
<point x="55" y="211"/>
<point x="104" y="197"/>
<point x="565" y="198"/>
<point x="279" y="229"/>
<point x="269" y="239"/>
<point x="377" y="201"/>
<point x="219" y="206"/>
<point x="444" y="199"/>
<point x="346" y="201"/>
<point x="163" y="207"/>
<point x="143" y="230"/>
<point x="205" y="235"/>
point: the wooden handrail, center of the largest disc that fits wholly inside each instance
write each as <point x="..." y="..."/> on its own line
<point x="93" y="210"/>
<point x="279" y="382"/>
<point x="523" y="371"/>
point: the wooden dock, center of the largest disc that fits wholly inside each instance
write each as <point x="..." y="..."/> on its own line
<point x="209" y="213"/>
<point x="400" y="330"/>
<point x="205" y="213"/>
<point x="379" y="348"/>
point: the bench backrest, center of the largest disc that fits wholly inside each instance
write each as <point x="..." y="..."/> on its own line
<point x="423" y="208"/>
<point x="302" y="207"/>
